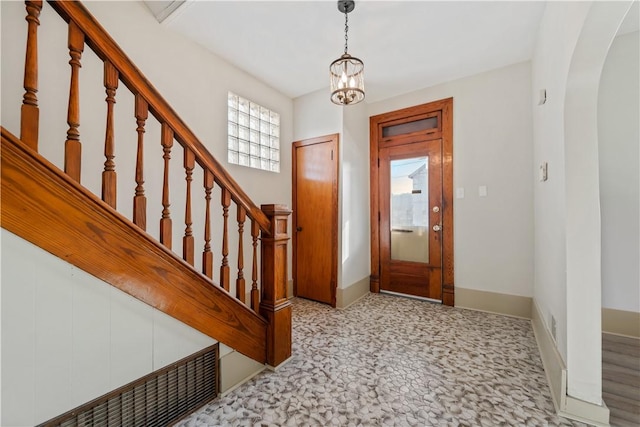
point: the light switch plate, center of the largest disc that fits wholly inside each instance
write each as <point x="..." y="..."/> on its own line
<point x="543" y="97"/>
<point x="460" y="193"/>
<point x="543" y="172"/>
<point x="482" y="191"/>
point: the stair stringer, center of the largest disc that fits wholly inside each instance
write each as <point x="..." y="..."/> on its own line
<point x="44" y="206"/>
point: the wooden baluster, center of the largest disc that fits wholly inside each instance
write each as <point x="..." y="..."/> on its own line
<point x="140" y="200"/>
<point x="224" y="269"/>
<point x="109" y="178"/>
<point x="255" y="294"/>
<point x="73" y="149"/>
<point x="165" y="221"/>
<point x="207" y="255"/>
<point x="274" y="306"/>
<point x="30" y="114"/>
<point x="187" y="240"/>
<point x="240" y="282"/>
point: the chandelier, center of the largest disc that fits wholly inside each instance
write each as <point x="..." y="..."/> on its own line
<point x="346" y="72"/>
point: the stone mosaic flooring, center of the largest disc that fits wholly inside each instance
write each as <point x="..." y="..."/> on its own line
<point x="394" y="361"/>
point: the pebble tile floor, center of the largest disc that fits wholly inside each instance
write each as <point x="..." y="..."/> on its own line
<point x="392" y="361"/>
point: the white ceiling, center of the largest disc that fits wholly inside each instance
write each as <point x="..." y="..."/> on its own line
<point x="405" y="45"/>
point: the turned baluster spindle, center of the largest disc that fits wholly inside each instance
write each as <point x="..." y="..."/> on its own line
<point x="255" y="293"/>
<point x="240" y="282"/>
<point x="73" y="149"/>
<point x="30" y="114"/>
<point x="140" y="200"/>
<point x="207" y="255"/>
<point x="165" y="221"/>
<point x="109" y="177"/>
<point x="187" y="240"/>
<point x="224" y="268"/>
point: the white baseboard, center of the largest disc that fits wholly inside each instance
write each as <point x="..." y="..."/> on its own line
<point x="556" y="372"/>
<point x="351" y="294"/>
<point x="494" y="302"/>
<point x="620" y="322"/>
<point x="235" y="370"/>
<point x="290" y="289"/>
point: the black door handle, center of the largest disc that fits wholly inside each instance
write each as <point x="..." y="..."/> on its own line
<point x="298" y="228"/>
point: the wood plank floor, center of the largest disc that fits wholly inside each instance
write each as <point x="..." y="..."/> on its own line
<point x="621" y="379"/>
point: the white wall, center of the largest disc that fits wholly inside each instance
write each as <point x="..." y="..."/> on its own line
<point x="570" y="52"/>
<point x="559" y="31"/>
<point x="493" y="235"/>
<point x="196" y="84"/>
<point x="618" y="136"/>
<point x="68" y="337"/>
<point x="355" y="256"/>
<point x="315" y="115"/>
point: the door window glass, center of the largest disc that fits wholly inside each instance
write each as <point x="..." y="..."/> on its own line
<point x="410" y="209"/>
<point x="409" y="127"/>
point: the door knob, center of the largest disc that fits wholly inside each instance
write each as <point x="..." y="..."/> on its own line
<point x="437" y="227"/>
<point x="298" y="228"/>
<point x="436" y="209"/>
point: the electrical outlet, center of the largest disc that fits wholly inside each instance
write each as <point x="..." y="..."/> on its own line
<point x="553" y="327"/>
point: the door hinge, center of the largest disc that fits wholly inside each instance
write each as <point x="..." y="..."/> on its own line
<point x="378" y="161"/>
<point x="331" y="154"/>
<point x="378" y="216"/>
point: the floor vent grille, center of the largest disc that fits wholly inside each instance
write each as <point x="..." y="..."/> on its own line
<point x="158" y="399"/>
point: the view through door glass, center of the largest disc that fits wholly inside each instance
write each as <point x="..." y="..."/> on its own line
<point x="410" y="209"/>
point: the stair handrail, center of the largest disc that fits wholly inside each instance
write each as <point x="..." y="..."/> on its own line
<point x="269" y="222"/>
<point x="108" y="50"/>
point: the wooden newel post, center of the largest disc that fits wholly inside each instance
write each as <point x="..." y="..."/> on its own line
<point x="274" y="305"/>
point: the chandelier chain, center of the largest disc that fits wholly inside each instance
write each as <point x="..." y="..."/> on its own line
<point x="346" y="31"/>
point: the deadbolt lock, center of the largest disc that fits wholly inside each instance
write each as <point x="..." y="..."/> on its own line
<point x="436" y="209"/>
<point x="437" y="227"/>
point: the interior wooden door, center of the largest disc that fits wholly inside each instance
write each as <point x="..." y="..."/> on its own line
<point x="410" y="219"/>
<point x="315" y="218"/>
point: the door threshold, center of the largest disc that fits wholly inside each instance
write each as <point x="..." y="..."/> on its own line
<point x="399" y="294"/>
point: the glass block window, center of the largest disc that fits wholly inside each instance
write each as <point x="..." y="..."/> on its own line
<point x="254" y="135"/>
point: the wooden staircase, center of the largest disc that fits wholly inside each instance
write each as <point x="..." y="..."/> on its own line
<point x="50" y="208"/>
<point x="621" y="379"/>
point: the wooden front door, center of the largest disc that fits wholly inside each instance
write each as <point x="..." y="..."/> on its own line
<point x="315" y="218"/>
<point x="412" y="201"/>
<point x="410" y="177"/>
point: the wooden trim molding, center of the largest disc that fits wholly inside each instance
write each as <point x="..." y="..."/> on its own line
<point x="444" y="110"/>
<point x="46" y="207"/>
